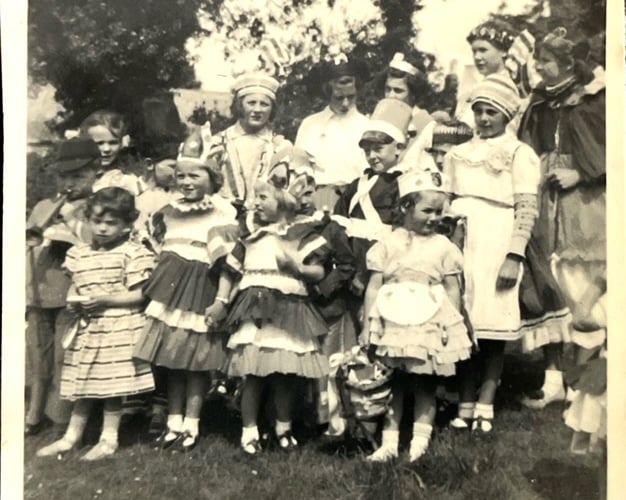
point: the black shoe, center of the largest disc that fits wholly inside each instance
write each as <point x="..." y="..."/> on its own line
<point x="252" y="448"/>
<point x="34" y="429"/>
<point x="163" y="443"/>
<point x="185" y="442"/>
<point x="287" y="442"/>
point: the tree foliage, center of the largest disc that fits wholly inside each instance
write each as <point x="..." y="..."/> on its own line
<point x="110" y="54"/>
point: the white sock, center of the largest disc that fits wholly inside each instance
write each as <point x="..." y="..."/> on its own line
<point x="191" y="425"/>
<point x="390" y="439"/>
<point x="466" y="410"/>
<point x="282" y="427"/>
<point x="420" y="440"/>
<point x="483" y="410"/>
<point x="110" y="426"/>
<point x="249" y="434"/>
<point x="553" y="381"/>
<point x="175" y="423"/>
<point x="75" y="428"/>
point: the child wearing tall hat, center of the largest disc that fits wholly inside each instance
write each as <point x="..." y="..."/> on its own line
<point x="106" y="295"/>
<point x="405" y="81"/>
<point x="276" y="327"/>
<point x="243" y="151"/>
<point x="366" y="207"/>
<point x="54" y="225"/>
<point x="412" y="308"/>
<point x="332" y="135"/>
<point x="183" y="284"/>
<point x="109" y="130"/>
<point x="494" y="179"/>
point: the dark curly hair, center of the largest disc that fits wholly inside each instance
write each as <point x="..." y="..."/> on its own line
<point x="114" y="201"/>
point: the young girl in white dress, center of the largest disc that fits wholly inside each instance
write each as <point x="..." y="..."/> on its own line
<point x="106" y="293"/>
<point x="494" y="180"/>
<point x="412" y="305"/>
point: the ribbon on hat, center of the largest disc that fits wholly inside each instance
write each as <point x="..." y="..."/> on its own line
<point x="398" y="62"/>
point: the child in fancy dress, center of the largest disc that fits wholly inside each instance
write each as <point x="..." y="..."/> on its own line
<point x="413" y="314"/>
<point x="183" y="285"/>
<point x="276" y="327"/>
<point x="494" y="179"/>
<point x="106" y="293"/>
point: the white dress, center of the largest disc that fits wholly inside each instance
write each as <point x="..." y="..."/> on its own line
<point x="485" y="174"/>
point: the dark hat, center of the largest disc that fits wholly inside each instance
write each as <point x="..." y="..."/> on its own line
<point x="75" y="154"/>
<point x="453" y="133"/>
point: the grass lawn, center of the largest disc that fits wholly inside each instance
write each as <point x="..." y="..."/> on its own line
<point x="526" y="457"/>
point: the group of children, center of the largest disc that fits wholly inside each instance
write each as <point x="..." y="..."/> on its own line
<point x="266" y="297"/>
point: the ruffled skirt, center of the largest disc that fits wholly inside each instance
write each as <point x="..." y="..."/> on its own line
<point x="175" y="335"/>
<point x="275" y="333"/>
<point x="429" y="348"/>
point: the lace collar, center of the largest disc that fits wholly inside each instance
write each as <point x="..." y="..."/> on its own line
<point x="203" y="205"/>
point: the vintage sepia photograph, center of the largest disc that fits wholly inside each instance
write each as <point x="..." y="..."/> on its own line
<point x="312" y="249"/>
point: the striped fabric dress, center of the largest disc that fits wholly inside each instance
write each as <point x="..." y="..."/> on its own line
<point x="99" y="363"/>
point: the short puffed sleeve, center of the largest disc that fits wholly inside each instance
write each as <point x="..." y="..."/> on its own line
<point x="376" y="258"/>
<point x="235" y="259"/>
<point x="313" y="249"/>
<point x="452" y="258"/>
<point x="139" y="265"/>
<point x="71" y="259"/>
<point x="526" y="170"/>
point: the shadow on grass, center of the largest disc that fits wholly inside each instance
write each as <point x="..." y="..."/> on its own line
<point x="557" y="480"/>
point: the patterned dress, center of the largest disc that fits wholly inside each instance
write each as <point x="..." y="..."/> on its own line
<point x="99" y="363"/>
<point x="276" y="327"/>
<point x="422" y="331"/>
<point x="182" y="286"/>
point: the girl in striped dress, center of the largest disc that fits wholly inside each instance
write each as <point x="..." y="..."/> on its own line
<point x="106" y="293"/>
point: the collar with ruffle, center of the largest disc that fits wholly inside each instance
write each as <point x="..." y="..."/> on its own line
<point x="203" y="205"/>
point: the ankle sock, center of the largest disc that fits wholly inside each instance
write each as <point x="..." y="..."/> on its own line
<point x="75" y="428"/>
<point x="483" y="410"/>
<point x="249" y="434"/>
<point x="191" y="425"/>
<point x="466" y="410"/>
<point x="175" y="423"/>
<point x="282" y="427"/>
<point x="110" y="426"/>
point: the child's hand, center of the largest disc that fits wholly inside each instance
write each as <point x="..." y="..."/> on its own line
<point x="92" y="304"/>
<point x="509" y="272"/>
<point x="215" y="313"/>
<point x="288" y="262"/>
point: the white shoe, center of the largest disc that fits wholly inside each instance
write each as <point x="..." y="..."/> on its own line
<point x="56" y="448"/>
<point x="103" y="449"/>
<point x="383" y="454"/>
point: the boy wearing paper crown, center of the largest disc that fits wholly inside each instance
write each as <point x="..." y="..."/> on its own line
<point x="54" y="225"/>
<point x="244" y="150"/>
<point x="366" y="208"/>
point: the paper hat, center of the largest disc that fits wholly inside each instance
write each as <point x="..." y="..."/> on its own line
<point x="391" y="117"/>
<point x="195" y="149"/>
<point x="290" y="170"/>
<point x="256" y="83"/>
<point x="75" y="154"/>
<point x="400" y="64"/>
<point x="415" y="181"/>
<point x="498" y="34"/>
<point x="451" y="133"/>
<point x="499" y="91"/>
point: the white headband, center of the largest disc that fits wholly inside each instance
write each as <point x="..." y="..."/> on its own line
<point x="400" y="64"/>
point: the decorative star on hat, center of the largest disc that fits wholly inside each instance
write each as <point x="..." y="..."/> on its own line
<point x="195" y="149"/>
<point x="416" y="181"/>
